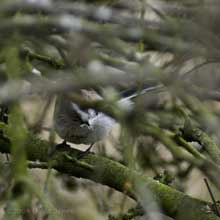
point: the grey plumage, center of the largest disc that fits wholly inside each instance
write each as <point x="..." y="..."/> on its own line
<point x="87" y="126"/>
<point x="80" y="127"/>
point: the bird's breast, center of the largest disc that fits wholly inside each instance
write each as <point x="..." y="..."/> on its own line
<point x="100" y="126"/>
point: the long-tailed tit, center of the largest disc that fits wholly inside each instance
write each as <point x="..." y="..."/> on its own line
<point x="86" y="126"/>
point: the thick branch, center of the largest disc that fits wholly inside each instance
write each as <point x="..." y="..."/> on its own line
<point x="117" y="176"/>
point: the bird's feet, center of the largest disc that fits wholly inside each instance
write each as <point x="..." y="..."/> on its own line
<point x="62" y="146"/>
<point x="84" y="153"/>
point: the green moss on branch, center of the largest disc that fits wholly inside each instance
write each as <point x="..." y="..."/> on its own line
<point x="117" y="176"/>
<point x="193" y="133"/>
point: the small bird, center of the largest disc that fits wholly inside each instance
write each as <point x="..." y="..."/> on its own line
<point x="81" y="126"/>
<point x="87" y="126"/>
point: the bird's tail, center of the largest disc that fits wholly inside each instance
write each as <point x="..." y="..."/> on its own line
<point x="133" y="93"/>
<point x="126" y="103"/>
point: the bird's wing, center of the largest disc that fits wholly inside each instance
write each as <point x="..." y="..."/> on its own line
<point x="65" y="108"/>
<point x="83" y="115"/>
